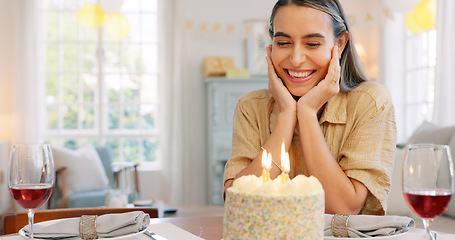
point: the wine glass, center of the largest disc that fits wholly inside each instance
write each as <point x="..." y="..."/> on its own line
<point x="428" y="181"/>
<point x="31" y="177"/>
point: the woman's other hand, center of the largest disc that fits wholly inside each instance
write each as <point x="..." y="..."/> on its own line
<point x="326" y="88"/>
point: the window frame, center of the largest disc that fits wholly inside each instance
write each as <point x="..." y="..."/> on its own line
<point x="100" y="133"/>
<point x="420" y="62"/>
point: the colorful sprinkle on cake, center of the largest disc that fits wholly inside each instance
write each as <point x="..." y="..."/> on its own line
<point x="274" y="210"/>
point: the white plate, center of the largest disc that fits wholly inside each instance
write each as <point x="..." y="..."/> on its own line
<point x="140" y="203"/>
<point x="396" y="236"/>
<point x="129" y="236"/>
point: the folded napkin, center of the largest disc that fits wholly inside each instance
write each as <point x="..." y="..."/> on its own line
<point x="107" y="226"/>
<point x="364" y="226"/>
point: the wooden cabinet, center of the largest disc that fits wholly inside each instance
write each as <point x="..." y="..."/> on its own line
<point x="222" y="97"/>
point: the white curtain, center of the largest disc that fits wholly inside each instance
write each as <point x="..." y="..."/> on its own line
<point x="392" y="68"/>
<point x="21" y="65"/>
<point x="444" y="107"/>
<point x="171" y="102"/>
<point x="21" y="83"/>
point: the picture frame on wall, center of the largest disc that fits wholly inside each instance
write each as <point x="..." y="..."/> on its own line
<point x="257" y="39"/>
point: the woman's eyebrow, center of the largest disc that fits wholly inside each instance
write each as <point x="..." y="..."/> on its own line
<point x="281" y="34"/>
<point x="310" y="35"/>
<point x="314" y="35"/>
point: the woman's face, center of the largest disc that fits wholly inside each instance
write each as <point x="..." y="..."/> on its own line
<point x="301" y="50"/>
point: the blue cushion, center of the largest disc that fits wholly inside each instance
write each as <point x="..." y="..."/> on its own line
<point x="106" y="159"/>
<point x="86" y="199"/>
<point x="95" y="198"/>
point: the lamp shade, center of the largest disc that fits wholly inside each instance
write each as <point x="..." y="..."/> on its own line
<point x="90" y="16"/>
<point x="425" y="14"/>
<point x="117" y="26"/>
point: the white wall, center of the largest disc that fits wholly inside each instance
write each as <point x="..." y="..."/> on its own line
<point x="365" y="17"/>
<point x="6" y="85"/>
<point x="6" y="104"/>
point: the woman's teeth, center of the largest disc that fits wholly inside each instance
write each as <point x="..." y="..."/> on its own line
<point x="299" y="74"/>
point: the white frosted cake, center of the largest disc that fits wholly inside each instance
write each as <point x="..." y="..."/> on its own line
<point x="274" y="210"/>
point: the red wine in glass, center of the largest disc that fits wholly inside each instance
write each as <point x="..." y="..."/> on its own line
<point x="31" y="196"/>
<point x="31" y="177"/>
<point x="428" y="181"/>
<point x="428" y="203"/>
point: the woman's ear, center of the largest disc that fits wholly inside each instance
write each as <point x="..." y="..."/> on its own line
<point x="341" y="42"/>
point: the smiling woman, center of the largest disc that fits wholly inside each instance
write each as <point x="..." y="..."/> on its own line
<point x="335" y="124"/>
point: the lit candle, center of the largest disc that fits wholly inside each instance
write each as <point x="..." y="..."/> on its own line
<point x="266" y="165"/>
<point x="285" y="165"/>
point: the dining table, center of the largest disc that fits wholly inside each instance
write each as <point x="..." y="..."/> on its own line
<point x="206" y="222"/>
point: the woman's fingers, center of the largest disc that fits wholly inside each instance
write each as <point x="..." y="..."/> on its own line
<point x="333" y="73"/>
<point x="270" y="67"/>
<point x="273" y="77"/>
<point x="327" y="88"/>
<point x="337" y="67"/>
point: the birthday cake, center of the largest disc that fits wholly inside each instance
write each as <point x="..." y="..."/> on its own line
<point x="292" y="209"/>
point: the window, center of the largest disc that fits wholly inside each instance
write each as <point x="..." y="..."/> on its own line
<point x="99" y="89"/>
<point x="420" y="79"/>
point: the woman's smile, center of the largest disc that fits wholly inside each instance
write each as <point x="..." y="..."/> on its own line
<point x="299" y="76"/>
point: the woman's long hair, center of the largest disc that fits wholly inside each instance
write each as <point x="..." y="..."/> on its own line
<point x="352" y="72"/>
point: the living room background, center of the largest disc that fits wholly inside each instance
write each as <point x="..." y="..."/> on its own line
<point x="182" y="144"/>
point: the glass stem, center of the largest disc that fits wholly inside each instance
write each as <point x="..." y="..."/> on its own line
<point x="31" y="215"/>
<point x="427" y="223"/>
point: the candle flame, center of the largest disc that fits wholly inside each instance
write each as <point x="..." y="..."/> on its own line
<point x="285" y="165"/>
<point x="268" y="165"/>
<point x="264" y="158"/>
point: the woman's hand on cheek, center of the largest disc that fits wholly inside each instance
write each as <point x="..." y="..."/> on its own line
<point x="279" y="92"/>
<point x="326" y="88"/>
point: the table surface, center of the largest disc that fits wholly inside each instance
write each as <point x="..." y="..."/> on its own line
<point x="206" y="221"/>
<point x="211" y="227"/>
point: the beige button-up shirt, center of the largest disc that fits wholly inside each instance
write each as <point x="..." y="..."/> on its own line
<point x="359" y="128"/>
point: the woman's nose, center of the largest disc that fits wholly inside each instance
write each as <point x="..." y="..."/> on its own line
<point x="297" y="57"/>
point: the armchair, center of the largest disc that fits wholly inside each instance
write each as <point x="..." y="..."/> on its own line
<point x="92" y="196"/>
